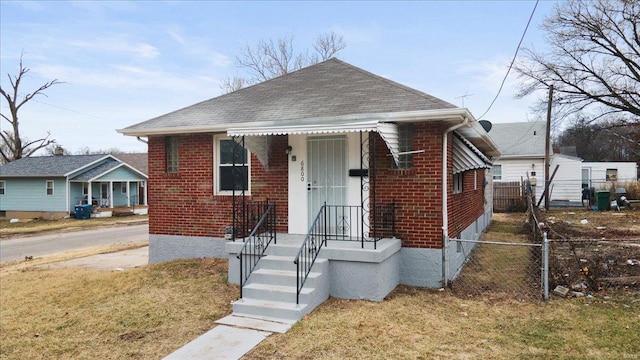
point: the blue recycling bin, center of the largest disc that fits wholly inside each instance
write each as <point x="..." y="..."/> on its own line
<point x="83" y="211"/>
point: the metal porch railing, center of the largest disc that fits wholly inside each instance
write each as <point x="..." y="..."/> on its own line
<point x="256" y="243"/>
<point x="342" y="223"/>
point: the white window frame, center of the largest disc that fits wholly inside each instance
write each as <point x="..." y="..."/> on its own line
<point x="216" y="167"/>
<point x="47" y="187"/>
<point x="493" y="173"/>
<point x="85" y="188"/>
<point x="123" y="188"/>
<point x="458" y="183"/>
<point x="3" y="187"/>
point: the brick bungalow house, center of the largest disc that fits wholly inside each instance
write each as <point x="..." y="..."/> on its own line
<point x="363" y="178"/>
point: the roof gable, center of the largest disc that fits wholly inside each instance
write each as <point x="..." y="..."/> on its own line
<point x="521" y="139"/>
<point x="327" y="89"/>
<point x="40" y="166"/>
<point x="138" y="161"/>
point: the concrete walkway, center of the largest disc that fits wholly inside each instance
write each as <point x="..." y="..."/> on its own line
<point x="234" y="337"/>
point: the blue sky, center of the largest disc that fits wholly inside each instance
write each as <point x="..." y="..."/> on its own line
<point x="126" y="62"/>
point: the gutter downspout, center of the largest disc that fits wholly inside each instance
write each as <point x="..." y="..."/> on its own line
<point x="445" y="202"/>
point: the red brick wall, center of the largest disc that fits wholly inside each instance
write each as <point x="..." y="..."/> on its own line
<point x="183" y="203"/>
<point x="273" y="183"/>
<point x="417" y="192"/>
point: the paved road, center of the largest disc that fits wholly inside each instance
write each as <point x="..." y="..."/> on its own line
<point x="18" y="248"/>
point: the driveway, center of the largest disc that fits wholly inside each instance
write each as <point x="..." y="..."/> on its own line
<point x="119" y="261"/>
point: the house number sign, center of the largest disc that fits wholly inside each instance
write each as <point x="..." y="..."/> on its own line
<point x="301" y="170"/>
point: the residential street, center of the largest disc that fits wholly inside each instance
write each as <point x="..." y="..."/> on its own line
<point x="38" y="245"/>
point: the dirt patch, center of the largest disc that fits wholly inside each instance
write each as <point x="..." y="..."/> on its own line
<point x="593" y="251"/>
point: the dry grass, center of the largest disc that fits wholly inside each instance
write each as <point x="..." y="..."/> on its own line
<point x="30" y="227"/>
<point x="143" y="313"/>
<point x="146" y="313"/>
<point x="423" y="324"/>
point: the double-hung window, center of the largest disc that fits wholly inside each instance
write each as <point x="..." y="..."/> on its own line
<point x="497" y="172"/>
<point x="232" y="167"/>
<point x="49" y="186"/>
<point x="3" y="187"/>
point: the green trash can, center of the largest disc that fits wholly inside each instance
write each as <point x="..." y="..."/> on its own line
<point x="604" y="199"/>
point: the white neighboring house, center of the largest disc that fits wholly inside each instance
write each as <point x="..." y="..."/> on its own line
<point x="574" y="174"/>
<point x="599" y="174"/>
<point x="566" y="186"/>
<point x="522" y="147"/>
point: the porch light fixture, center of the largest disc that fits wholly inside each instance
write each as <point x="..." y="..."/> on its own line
<point x="288" y="150"/>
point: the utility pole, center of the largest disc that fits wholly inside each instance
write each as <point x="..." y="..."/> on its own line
<point x="547" y="151"/>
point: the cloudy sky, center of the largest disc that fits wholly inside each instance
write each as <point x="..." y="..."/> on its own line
<point x="126" y="62"/>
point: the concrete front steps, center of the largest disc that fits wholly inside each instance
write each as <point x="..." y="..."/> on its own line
<point x="270" y="292"/>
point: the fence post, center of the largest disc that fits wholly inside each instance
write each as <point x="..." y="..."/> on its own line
<point x="545" y="265"/>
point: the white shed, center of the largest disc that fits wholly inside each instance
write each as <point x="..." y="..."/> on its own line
<point x="566" y="184"/>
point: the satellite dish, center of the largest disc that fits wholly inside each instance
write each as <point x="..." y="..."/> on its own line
<point x="486" y="125"/>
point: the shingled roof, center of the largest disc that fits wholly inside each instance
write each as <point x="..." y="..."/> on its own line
<point x="327" y="89"/>
<point x="61" y="165"/>
<point x="518" y="140"/>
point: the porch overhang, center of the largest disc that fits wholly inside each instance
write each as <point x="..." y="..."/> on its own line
<point x="467" y="157"/>
<point x="256" y="137"/>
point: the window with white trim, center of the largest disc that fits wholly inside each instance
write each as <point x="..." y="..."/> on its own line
<point x="612" y="175"/>
<point x="496" y="171"/>
<point x="123" y="188"/>
<point x="457" y="183"/>
<point x="85" y="188"/>
<point x="232" y="167"/>
<point x="49" y="186"/>
<point x="3" y="187"/>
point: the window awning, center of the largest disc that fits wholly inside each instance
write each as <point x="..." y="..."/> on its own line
<point x="467" y="157"/>
<point x="257" y="137"/>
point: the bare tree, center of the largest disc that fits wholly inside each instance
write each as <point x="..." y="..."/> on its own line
<point x="269" y="59"/>
<point x="593" y="60"/>
<point x="13" y="146"/>
<point x="602" y="141"/>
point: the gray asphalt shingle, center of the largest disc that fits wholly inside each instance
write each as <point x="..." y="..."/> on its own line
<point x="327" y="89"/>
<point x="47" y="165"/>
<point x="522" y="139"/>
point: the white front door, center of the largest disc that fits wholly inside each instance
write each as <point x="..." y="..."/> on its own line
<point x="327" y="173"/>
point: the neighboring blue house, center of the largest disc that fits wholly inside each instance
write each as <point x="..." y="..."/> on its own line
<point x="50" y="186"/>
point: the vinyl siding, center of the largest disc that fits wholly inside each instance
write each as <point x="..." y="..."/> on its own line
<point x="518" y="169"/>
<point x="24" y="194"/>
<point x="627" y="172"/>
<point x="121" y="174"/>
<point x="567" y="184"/>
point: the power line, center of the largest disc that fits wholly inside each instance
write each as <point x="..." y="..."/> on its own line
<point x="512" y="61"/>
<point x="69" y="110"/>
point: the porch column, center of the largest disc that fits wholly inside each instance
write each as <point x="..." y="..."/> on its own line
<point x="128" y="194"/>
<point x="89" y="196"/>
<point x="110" y="194"/>
<point x="145" y="193"/>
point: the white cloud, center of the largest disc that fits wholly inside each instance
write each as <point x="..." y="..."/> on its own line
<point x="118" y="44"/>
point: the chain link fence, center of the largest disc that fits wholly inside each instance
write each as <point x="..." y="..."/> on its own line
<point x="501" y="269"/>
<point x="528" y="260"/>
